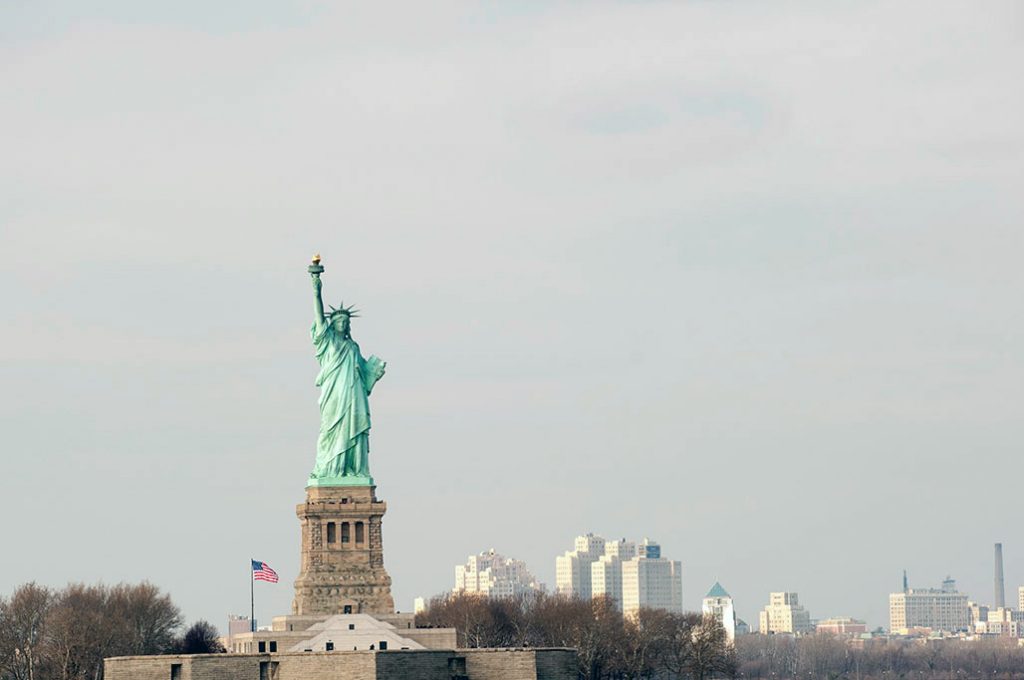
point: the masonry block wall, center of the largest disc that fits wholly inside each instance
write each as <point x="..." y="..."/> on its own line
<point x="556" y="664"/>
<point x="500" y="664"/>
<point x="418" y="664"/>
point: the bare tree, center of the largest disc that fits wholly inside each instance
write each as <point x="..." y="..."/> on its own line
<point x="825" y="656"/>
<point x="472" y="615"/>
<point x="146" y="620"/>
<point x="6" y="640"/>
<point x="66" y="634"/>
<point x="77" y="632"/>
<point x="609" y="645"/>
<point x="599" y="640"/>
<point x="23" y="621"/>
<point x="712" y="654"/>
<point x="558" y="619"/>
<point x="647" y="635"/>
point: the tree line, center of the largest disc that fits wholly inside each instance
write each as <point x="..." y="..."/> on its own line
<point x="65" y="634"/>
<point x="826" y="656"/>
<point x="659" y="645"/>
<point x="652" y="643"/>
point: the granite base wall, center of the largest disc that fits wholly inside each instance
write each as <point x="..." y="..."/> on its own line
<point x="420" y="664"/>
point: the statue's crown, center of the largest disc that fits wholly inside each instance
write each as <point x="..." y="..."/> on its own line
<point x="349" y="311"/>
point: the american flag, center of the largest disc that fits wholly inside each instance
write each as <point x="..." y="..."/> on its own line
<point x="261" y="571"/>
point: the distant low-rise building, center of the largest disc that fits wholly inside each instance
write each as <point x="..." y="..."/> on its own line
<point x="940" y="609"/>
<point x="978" y="613"/>
<point x="841" y="625"/>
<point x="342" y="632"/>
<point x="495" y="575"/>
<point x="1004" y="622"/>
<point x="784" y="614"/>
<point x="238" y="625"/>
<point x="718" y="603"/>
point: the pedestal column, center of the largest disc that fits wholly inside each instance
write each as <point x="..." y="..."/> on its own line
<point x="342" y="569"/>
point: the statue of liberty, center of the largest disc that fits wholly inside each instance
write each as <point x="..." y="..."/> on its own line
<point x="345" y="381"/>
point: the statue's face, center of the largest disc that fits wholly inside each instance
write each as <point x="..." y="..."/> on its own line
<point x="340" y="324"/>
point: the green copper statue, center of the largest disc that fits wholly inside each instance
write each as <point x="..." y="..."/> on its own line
<point x="345" y="381"/>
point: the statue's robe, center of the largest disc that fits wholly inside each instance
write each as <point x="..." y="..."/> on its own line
<point x="345" y="381"/>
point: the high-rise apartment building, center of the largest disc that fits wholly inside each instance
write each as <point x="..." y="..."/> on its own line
<point x="632" y="575"/>
<point x="1020" y="599"/>
<point x="495" y="575"/>
<point x="606" y="572"/>
<point x="718" y="603"/>
<point x="784" y="614"/>
<point x="651" y="581"/>
<point x="572" y="570"/>
<point x="941" y="609"/>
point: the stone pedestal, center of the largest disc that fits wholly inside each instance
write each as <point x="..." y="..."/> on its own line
<point x="342" y="569"/>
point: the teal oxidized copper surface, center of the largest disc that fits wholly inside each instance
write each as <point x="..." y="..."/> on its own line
<point x="345" y="381"/>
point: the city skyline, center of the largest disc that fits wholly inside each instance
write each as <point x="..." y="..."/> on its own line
<point x="740" y="278"/>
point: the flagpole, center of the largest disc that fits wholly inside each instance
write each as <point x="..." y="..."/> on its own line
<point x="252" y="599"/>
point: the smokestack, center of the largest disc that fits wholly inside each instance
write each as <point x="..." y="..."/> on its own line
<point x="906" y="587"/>
<point x="1000" y="588"/>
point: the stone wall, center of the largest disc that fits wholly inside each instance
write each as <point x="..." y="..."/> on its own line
<point x="556" y="664"/>
<point x="501" y="664"/>
<point x="421" y="664"/>
<point x="432" y="638"/>
<point x="227" y="667"/>
<point x="425" y="664"/>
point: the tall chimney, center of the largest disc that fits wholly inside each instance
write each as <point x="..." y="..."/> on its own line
<point x="1000" y="587"/>
<point x="906" y="586"/>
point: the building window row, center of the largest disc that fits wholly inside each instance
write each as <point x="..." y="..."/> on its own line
<point x="344" y="534"/>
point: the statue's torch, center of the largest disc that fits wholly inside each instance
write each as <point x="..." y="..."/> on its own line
<point x="316" y="268"/>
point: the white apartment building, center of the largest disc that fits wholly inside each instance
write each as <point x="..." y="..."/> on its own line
<point x="1020" y="599"/>
<point x="718" y="603"/>
<point x="649" y="580"/>
<point x="572" y="570"/>
<point x="632" y="575"/>
<point x="606" y="572"/>
<point x="941" y="609"/>
<point x="784" y="614"/>
<point x="495" y="575"/>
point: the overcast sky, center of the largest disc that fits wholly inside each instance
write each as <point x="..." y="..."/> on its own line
<point x="742" y="277"/>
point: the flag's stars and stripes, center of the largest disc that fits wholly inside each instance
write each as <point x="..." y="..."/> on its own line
<point x="261" y="571"/>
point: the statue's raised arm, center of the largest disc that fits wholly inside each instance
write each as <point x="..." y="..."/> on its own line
<point x="315" y="270"/>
